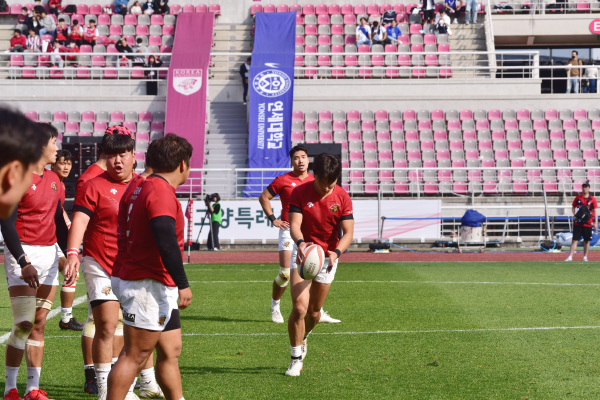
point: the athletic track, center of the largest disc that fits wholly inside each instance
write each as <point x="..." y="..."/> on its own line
<point x="234" y="257"/>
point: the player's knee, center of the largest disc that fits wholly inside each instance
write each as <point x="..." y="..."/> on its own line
<point x="283" y="278"/>
<point x="23" y="309"/>
<point x="299" y="310"/>
<point x="89" y="328"/>
<point x="314" y="315"/>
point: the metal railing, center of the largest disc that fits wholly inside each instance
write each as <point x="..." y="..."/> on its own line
<point x="416" y="182"/>
<point x="545" y="7"/>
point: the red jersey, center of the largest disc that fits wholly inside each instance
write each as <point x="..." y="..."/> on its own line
<point x="590" y="203"/>
<point x="283" y="186"/>
<point x="93" y="171"/>
<point x="321" y="217"/>
<point x="155" y="198"/>
<point x="35" y="214"/>
<point x="99" y="199"/>
<point x="122" y="226"/>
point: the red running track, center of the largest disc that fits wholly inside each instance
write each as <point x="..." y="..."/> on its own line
<point x="233" y="257"/>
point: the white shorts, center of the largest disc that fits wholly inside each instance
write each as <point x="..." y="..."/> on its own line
<point x="97" y="281"/>
<point x="116" y="285"/>
<point x="323" y="276"/>
<point x="285" y="240"/>
<point x="43" y="258"/>
<point x="147" y="304"/>
<point x="59" y="251"/>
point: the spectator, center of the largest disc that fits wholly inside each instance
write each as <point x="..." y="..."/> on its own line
<point x="393" y="33"/>
<point x="148" y="7"/>
<point x="471" y="12"/>
<point x="22" y="18"/>
<point x="56" y="58"/>
<point x="245" y="74"/>
<point x="34" y="44"/>
<point x="76" y="33"/>
<point x="71" y="48"/>
<point x="442" y="23"/>
<point x="55" y="6"/>
<point x="17" y="42"/>
<point x="135" y="9"/>
<point x="90" y="33"/>
<point x="450" y="7"/>
<point x="121" y="7"/>
<point x="153" y="62"/>
<point x="573" y="74"/>
<point x="107" y="9"/>
<point x="379" y="33"/>
<point x="161" y="6"/>
<point x="216" y="218"/>
<point x="62" y="32"/>
<point x="48" y="25"/>
<point x="428" y="7"/>
<point x="363" y="33"/>
<point x="139" y="60"/>
<point x="123" y="47"/>
<point x="33" y="22"/>
<point x="591" y="73"/>
<point x="585" y="211"/>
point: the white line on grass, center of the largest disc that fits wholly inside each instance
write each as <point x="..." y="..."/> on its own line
<point x="431" y="282"/>
<point x="51" y="314"/>
<point x="541" y="328"/>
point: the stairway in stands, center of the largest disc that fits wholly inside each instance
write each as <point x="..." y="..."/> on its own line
<point x="226" y="146"/>
<point x="230" y="38"/>
<point x="468" y="38"/>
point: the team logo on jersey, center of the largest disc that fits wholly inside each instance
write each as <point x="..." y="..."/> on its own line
<point x="106" y="290"/>
<point x="161" y="321"/>
<point x="113" y="191"/>
<point x="334" y="208"/>
<point x="293" y="183"/>
<point x="33" y="186"/>
<point x="187" y="81"/>
<point x="128" y="317"/>
<point x="309" y="204"/>
<point x="53" y="186"/>
<point x="286" y="244"/>
<point x="271" y="83"/>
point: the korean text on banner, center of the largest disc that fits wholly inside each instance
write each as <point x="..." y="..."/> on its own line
<point x="271" y="98"/>
<point x="188" y="85"/>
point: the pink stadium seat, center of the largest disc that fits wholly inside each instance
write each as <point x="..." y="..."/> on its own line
<point x="429" y="38"/>
<point x="527" y="135"/>
<point x="543" y="144"/>
<point x="586" y="134"/>
<point x="255" y="8"/>
<point x="514" y="145"/>
<point x="354" y="136"/>
<point x="325" y="40"/>
<point x="131" y="125"/>
<point x="353" y="115"/>
<point x="424" y="125"/>
<point x="456" y="145"/>
<point x="117" y="116"/>
<point x="175" y="8"/>
<point x="110" y="73"/>
<point x="140" y="156"/>
<point x="383" y="135"/>
<point x="454" y="125"/>
<point x="300" y="41"/>
<point x="130" y="20"/>
<point x="384" y="8"/>
<point x="559" y="154"/>
<point x="396" y="126"/>
<point x="469" y="135"/>
<point x="381" y="115"/>
<point x="409" y="115"/>
<point x="283" y="8"/>
<point x="411" y="135"/>
<point x="32" y="115"/>
<point x="337" y="29"/>
<point x="590" y="154"/>
<point x="373" y="9"/>
<point x="579" y="114"/>
<point x="100" y="126"/>
<point x="142" y="30"/>
<point x="368" y="126"/>
<point x="569" y="124"/>
<point x="511" y="124"/>
<point x="334" y="9"/>
<point x="360" y="9"/>
<point x="323" y="61"/>
<point x="556" y="134"/>
<point x="404" y="59"/>
<point x="571" y="144"/>
<point x="501" y="154"/>
<point x="427" y="145"/>
<point x="415" y="29"/>
<point x="483" y="124"/>
<point x="311" y="30"/>
<point x="583" y="6"/>
<point x="104" y="19"/>
<point x="321" y="9"/>
<point x="485" y="145"/>
<point x="325" y="115"/>
<point x="466" y="115"/>
<point x="299" y="20"/>
<point x="297" y="136"/>
<point x="309" y="9"/>
<point x="270" y="8"/>
<point x="539" y="124"/>
<point x="311" y="126"/>
<point x="215" y="8"/>
<point x="416" y="48"/>
<point x="551" y="114"/>
<point x="399" y="8"/>
<point x="471" y="155"/>
<point x="442" y="155"/>
<point x="83" y="9"/>
<point x="116" y="30"/>
<point x="523" y="114"/>
<point x="339" y="126"/>
<point x="325" y="136"/>
<point x="15" y="8"/>
<point x="323" y="19"/>
<point x="498" y="135"/>
<point x="297" y="8"/>
<point x="71" y="126"/>
<point x="440" y="135"/>
<point x="201" y="8"/>
<point x="345" y="10"/>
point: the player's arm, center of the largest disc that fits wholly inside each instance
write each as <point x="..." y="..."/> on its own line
<point x="13" y="243"/>
<point x="265" y="202"/>
<point x="67" y="220"/>
<point x="347" y="224"/>
<point x="81" y="219"/>
<point x="295" y="216"/>
<point x="165" y="234"/>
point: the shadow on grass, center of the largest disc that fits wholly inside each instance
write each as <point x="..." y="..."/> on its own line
<point x="218" y="319"/>
<point x="205" y="370"/>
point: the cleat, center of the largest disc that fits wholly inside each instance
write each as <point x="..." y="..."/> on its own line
<point x="304" y="348"/>
<point x="13" y="394"/>
<point x="151" y="393"/>
<point x="569" y="258"/>
<point x="131" y="396"/>
<point x="102" y="392"/>
<point x="91" y="387"/>
<point x="585" y="259"/>
<point x="295" y="368"/>
<point x="137" y="385"/>
<point x="326" y="318"/>
<point x="36" y="394"/>
<point x="73" y="325"/>
<point x="276" y="315"/>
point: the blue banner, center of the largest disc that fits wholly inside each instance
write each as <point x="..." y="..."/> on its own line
<point x="271" y="84"/>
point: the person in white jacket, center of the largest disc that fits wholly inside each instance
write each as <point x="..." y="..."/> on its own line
<point x="591" y="74"/>
<point x="442" y="23"/>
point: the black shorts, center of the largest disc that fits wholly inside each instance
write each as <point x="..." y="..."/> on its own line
<point x="582" y="232"/>
<point x="428" y="14"/>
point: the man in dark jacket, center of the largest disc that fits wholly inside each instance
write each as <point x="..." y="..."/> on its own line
<point x="245" y="74"/>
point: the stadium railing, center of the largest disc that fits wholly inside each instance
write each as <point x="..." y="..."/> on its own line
<point x="543" y="7"/>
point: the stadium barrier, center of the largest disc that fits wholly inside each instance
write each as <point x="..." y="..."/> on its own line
<point x="541" y="7"/>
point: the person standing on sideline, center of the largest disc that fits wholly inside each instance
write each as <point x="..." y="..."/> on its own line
<point x="245" y="74"/>
<point x="283" y="186"/>
<point x="216" y="217"/>
<point x="591" y="74"/>
<point x="471" y="12"/>
<point x="584" y="211"/>
<point x="573" y="73"/>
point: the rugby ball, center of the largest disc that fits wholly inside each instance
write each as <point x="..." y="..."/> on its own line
<point x="314" y="258"/>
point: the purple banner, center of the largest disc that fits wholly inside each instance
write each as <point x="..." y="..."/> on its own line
<point x="188" y="85"/>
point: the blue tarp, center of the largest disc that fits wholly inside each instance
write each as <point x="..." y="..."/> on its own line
<point x="472" y="218"/>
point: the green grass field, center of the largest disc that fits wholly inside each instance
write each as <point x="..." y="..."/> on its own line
<point x="441" y="331"/>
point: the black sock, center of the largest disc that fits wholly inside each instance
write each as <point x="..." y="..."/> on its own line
<point x="90" y="373"/>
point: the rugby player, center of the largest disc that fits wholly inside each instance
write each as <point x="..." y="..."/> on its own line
<point x="283" y="186"/>
<point x="95" y="223"/>
<point x="153" y="268"/>
<point x="21" y="145"/>
<point x="31" y="265"/>
<point x="149" y="389"/>
<point x="62" y="168"/>
<point x="317" y="210"/>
